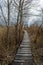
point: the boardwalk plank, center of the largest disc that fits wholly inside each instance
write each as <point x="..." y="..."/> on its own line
<point x="24" y="54"/>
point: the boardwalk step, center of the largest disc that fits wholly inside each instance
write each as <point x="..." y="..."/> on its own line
<point x="19" y="56"/>
<point x="25" y="49"/>
<point x="24" y="54"/>
<point x="25" y="42"/>
<point x="23" y="61"/>
<point x="19" y="60"/>
<point x="25" y="45"/>
<point x="26" y="58"/>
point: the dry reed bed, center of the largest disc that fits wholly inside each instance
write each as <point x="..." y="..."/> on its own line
<point x="6" y="56"/>
<point x="36" y="43"/>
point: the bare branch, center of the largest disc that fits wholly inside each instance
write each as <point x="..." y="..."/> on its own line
<point x="16" y="3"/>
<point x="3" y="14"/>
<point x="15" y="6"/>
<point x="10" y="2"/>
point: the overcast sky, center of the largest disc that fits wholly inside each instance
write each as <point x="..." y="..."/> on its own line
<point x="36" y="6"/>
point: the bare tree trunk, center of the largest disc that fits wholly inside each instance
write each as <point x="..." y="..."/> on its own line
<point x="8" y="25"/>
<point x="17" y="31"/>
<point x="16" y="28"/>
<point x="21" y="14"/>
<point x="3" y="15"/>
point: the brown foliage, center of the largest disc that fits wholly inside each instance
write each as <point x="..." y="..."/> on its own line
<point x="8" y="55"/>
<point x="36" y="37"/>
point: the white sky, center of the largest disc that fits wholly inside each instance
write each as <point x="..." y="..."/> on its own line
<point x="35" y="5"/>
<point x="41" y="3"/>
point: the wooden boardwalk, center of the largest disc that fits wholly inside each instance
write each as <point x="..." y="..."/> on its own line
<point x="24" y="55"/>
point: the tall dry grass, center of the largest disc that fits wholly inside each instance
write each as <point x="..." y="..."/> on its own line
<point x="6" y="56"/>
<point x="36" y="38"/>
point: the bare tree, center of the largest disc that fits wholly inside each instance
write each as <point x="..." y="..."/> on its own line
<point x="21" y="6"/>
<point x="3" y="15"/>
<point x="8" y="24"/>
<point x="7" y="21"/>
